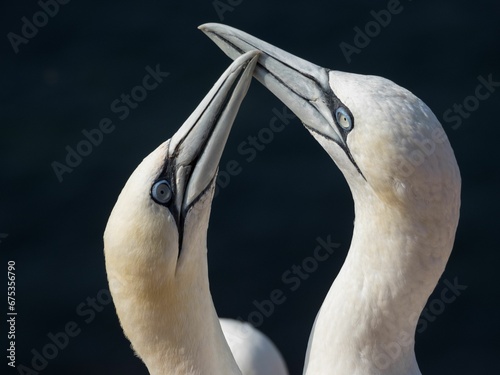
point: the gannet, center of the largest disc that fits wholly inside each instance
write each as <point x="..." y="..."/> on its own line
<point x="405" y="183"/>
<point x="253" y="351"/>
<point x="155" y="247"/>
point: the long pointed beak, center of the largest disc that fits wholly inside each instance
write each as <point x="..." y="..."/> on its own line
<point x="302" y="86"/>
<point x="197" y="146"/>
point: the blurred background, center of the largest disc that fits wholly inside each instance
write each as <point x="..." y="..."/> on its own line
<point x="60" y="79"/>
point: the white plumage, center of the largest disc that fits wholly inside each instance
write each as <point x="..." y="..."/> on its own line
<point x="405" y="183"/>
<point x="155" y="247"/>
<point x="254" y="353"/>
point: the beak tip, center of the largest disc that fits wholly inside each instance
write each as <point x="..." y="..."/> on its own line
<point x="209" y="27"/>
<point x="209" y="24"/>
<point x="296" y="82"/>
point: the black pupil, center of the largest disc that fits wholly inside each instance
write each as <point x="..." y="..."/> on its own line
<point x="162" y="192"/>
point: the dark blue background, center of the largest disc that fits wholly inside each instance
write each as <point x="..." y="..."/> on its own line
<point x="268" y="217"/>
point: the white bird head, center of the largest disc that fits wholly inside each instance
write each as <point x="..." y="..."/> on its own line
<point x="405" y="182"/>
<point x="385" y="140"/>
<point x="163" y="209"/>
<point x="155" y="239"/>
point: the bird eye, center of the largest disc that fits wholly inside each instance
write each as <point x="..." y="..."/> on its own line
<point x="161" y="192"/>
<point x="343" y="118"/>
